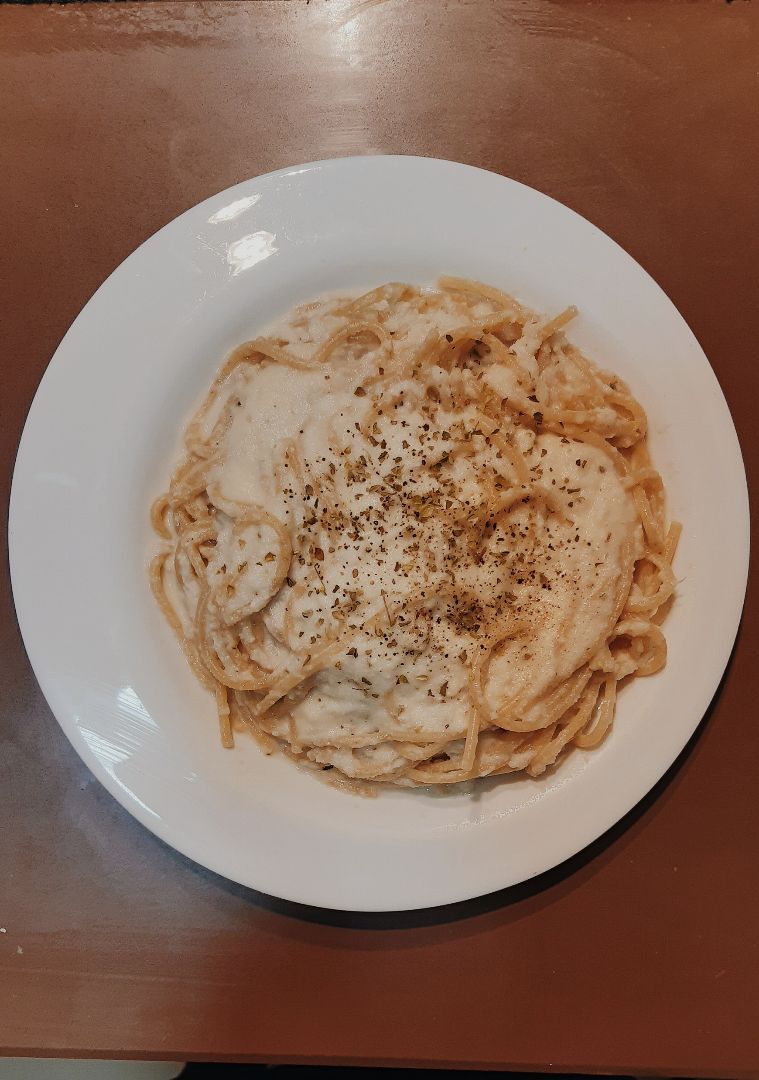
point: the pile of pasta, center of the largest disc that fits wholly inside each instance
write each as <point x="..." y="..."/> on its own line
<point x="459" y="592"/>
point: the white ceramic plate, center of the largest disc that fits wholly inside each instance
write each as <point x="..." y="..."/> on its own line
<point x="105" y="426"/>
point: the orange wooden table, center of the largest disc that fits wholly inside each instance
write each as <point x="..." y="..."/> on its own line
<point x="642" y="955"/>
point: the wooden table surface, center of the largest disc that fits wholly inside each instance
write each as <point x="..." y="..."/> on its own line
<point x="642" y="955"/>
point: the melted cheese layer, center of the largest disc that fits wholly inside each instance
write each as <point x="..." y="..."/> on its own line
<point x="385" y="512"/>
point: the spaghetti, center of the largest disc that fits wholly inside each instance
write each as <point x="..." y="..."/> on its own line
<point x="416" y="538"/>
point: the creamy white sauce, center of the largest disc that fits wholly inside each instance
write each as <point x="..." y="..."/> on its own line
<point x="561" y="575"/>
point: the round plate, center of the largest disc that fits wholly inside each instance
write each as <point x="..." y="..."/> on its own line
<point x="98" y="446"/>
